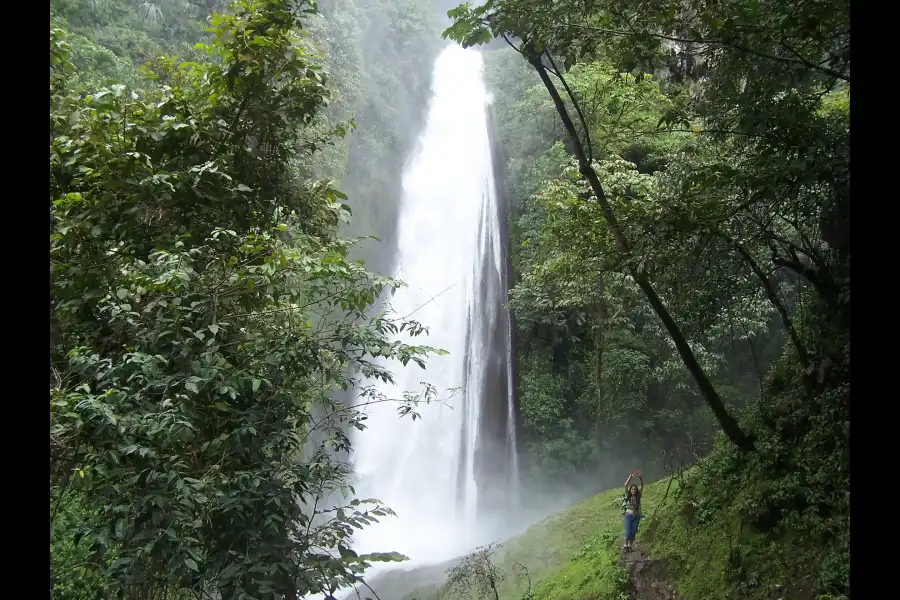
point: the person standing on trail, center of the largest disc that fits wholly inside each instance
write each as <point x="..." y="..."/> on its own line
<point x="632" y="505"/>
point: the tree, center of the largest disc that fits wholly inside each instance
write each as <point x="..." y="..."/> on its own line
<point x="481" y="24"/>
<point x="476" y="574"/>
<point x="203" y="310"/>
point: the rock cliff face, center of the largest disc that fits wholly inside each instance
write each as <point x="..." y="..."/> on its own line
<point x="495" y="455"/>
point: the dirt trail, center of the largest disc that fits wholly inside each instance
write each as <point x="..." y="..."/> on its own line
<point x="647" y="578"/>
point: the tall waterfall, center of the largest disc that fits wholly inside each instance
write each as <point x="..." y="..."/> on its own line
<point x="452" y="475"/>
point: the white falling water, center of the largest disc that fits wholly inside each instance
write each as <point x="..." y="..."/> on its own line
<point x="424" y="469"/>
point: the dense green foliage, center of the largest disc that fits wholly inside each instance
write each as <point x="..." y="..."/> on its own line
<point x="378" y="55"/>
<point x="680" y="173"/>
<point x="678" y="177"/>
<point x="110" y="39"/>
<point x="203" y="312"/>
<point x="585" y="333"/>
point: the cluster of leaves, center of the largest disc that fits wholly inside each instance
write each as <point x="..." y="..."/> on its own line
<point x="379" y="55"/>
<point x="203" y="311"/>
<point x="111" y="39"/>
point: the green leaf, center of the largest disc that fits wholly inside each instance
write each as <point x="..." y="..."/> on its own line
<point x="384" y="557"/>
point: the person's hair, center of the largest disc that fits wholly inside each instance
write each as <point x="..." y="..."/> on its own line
<point x="637" y="490"/>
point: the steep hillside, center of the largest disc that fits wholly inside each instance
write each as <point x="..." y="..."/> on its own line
<point x="689" y="547"/>
<point x="572" y="554"/>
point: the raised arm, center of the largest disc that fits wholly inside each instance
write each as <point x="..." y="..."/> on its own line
<point x="628" y="480"/>
<point x="641" y="478"/>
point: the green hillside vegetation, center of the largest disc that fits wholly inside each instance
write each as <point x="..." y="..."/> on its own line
<point x="696" y="525"/>
<point x="771" y="525"/>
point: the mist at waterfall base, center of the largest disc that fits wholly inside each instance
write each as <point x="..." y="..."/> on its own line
<point x="451" y="476"/>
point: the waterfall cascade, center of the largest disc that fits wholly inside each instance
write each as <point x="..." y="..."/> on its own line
<point x="452" y="476"/>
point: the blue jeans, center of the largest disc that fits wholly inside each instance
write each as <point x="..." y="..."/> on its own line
<point x="631" y="526"/>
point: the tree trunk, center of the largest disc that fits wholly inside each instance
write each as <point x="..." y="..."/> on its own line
<point x="756" y="367"/>
<point x="729" y="425"/>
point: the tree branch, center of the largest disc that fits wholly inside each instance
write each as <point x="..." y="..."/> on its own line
<point x="587" y="133"/>
<point x="811" y="274"/>
<point x="727" y="44"/>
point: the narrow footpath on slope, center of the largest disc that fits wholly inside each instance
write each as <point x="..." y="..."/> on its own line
<point x="647" y="577"/>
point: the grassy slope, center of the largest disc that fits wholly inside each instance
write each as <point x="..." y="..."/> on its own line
<point x="573" y="554"/>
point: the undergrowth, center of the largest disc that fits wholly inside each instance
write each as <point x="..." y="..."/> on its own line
<point x="592" y="574"/>
<point x="773" y="523"/>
